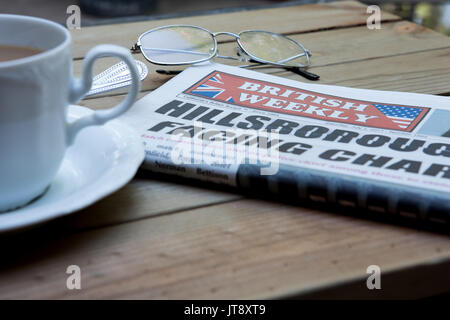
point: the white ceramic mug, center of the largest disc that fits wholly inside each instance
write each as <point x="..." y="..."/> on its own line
<point x="35" y="93"/>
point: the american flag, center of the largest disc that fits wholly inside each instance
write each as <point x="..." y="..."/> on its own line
<point x="212" y="89"/>
<point x="400" y="115"/>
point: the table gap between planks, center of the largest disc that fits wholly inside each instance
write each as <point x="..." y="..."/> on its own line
<point x="157" y="238"/>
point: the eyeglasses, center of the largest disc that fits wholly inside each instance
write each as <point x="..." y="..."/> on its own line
<point x="185" y="44"/>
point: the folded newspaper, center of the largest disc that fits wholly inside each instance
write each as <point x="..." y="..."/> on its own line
<point x="380" y="150"/>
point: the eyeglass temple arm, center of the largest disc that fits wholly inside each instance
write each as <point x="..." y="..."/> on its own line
<point x="138" y="48"/>
<point x="177" y="51"/>
<point x="296" y="70"/>
<point x="306" y="74"/>
<point x="294" y="57"/>
<point x="190" y="52"/>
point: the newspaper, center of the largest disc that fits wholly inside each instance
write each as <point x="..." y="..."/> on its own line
<point x="212" y="120"/>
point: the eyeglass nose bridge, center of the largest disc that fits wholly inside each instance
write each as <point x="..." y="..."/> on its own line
<point x="231" y="34"/>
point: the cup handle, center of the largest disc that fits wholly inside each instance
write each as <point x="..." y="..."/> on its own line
<point x="81" y="86"/>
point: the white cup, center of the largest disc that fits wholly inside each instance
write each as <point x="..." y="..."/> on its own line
<point x="35" y="93"/>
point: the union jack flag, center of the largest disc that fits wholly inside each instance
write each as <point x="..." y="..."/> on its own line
<point x="213" y="89"/>
<point x="400" y="115"/>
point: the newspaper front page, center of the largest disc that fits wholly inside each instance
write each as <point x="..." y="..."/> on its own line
<point x="211" y="120"/>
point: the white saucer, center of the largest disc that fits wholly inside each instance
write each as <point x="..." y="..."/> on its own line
<point x="102" y="160"/>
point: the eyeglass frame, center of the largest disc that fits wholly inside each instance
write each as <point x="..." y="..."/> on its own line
<point x="138" y="47"/>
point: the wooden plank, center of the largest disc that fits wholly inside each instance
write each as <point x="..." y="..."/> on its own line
<point x="295" y="19"/>
<point x="145" y="197"/>
<point x="105" y="102"/>
<point x="244" y="249"/>
<point x="332" y="48"/>
<point x="360" y="43"/>
<point x="424" y="72"/>
<point x="418" y="281"/>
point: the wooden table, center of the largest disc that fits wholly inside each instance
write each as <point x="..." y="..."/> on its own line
<point x="160" y="238"/>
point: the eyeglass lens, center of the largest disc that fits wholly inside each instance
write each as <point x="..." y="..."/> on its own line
<point x="273" y="48"/>
<point x="175" y="45"/>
